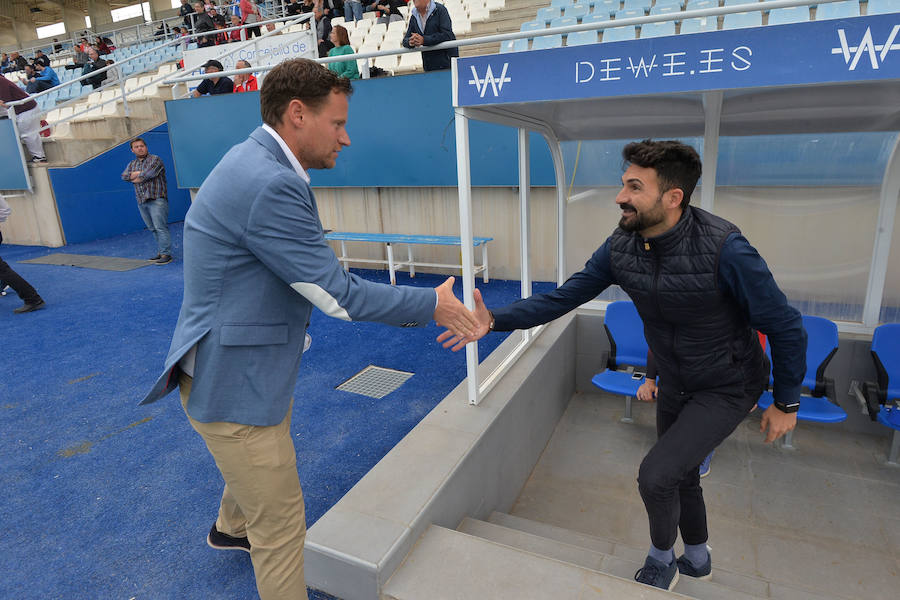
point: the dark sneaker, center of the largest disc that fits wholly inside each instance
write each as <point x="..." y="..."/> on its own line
<point x="39" y="159"/>
<point x="686" y="567"/>
<point x="164" y="259"/>
<point x="704" y="466"/>
<point x="222" y="541"/>
<point x="155" y="258"/>
<point x="30" y="307"/>
<point x="658" y="574"/>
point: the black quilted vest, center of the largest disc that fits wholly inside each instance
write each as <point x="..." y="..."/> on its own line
<point x="697" y="334"/>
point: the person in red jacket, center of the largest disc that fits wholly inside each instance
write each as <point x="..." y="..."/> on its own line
<point x="245" y="82"/>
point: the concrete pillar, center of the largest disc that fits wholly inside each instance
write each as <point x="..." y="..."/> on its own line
<point x="73" y="19"/>
<point x="98" y="11"/>
<point x="160" y="9"/>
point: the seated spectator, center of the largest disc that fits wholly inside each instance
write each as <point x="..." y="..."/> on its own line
<point x="44" y="79"/>
<point x="113" y="73"/>
<point x="162" y="31"/>
<point x="335" y="8"/>
<point x="323" y="31"/>
<point x="308" y="6"/>
<point x="4" y="60"/>
<point x="185" y="12"/>
<point x="429" y="25"/>
<point x="341" y="41"/>
<point x="40" y="57"/>
<point x="102" y="47"/>
<point x="294" y="8"/>
<point x="213" y="85"/>
<point x="245" y="82"/>
<point x="235" y="36"/>
<point x="109" y="43"/>
<point x="16" y="63"/>
<point x="221" y="37"/>
<point x="390" y="10"/>
<point x="57" y="47"/>
<point x="94" y="63"/>
<point x="202" y="24"/>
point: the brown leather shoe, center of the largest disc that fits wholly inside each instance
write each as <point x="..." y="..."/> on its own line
<point x="30" y="307"/>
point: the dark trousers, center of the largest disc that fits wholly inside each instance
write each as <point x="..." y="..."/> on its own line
<point x="15" y="281"/>
<point x="689" y="426"/>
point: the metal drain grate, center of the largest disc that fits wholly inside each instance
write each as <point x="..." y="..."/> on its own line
<point x="375" y="382"/>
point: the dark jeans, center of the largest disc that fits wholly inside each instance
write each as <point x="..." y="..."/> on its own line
<point x="15" y="281"/>
<point x="689" y="426"/>
<point x="38" y="86"/>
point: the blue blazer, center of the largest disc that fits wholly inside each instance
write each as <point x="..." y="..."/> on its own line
<point x="255" y="263"/>
<point x="438" y="28"/>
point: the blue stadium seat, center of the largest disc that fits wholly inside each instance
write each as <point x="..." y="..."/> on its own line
<point x="883" y="7"/>
<point x="665" y="10"/>
<point x="561" y="3"/>
<point x="577" y="11"/>
<point x="739" y="2"/>
<point x="884" y="399"/>
<point x="531" y="26"/>
<point x="742" y="20"/>
<point x="581" y="38"/>
<point x="619" y="34"/>
<point x="563" y="22"/>
<point x="547" y="14"/>
<point x="820" y="405"/>
<point x="627" y="355"/>
<point x="652" y="30"/>
<point x="607" y="7"/>
<point x="791" y="14"/>
<point x="629" y="13"/>
<point x="643" y="5"/>
<point x="838" y="10"/>
<point x="664" y="3"/>
<point x="514" y="46"/>
<point x="698" y="4"/>
<point x="699" y="24"/>
<point x="547" y="41"/>
<point x="597" y="18"/>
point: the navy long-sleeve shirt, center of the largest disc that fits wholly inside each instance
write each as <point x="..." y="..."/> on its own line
<point x="743" y="275"/>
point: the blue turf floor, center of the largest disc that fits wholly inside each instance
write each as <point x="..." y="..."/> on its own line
<point x="102" y="498"/>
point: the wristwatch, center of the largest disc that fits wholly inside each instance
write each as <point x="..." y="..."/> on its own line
<point x="787" y="408"/>
<point x="491" y="326"/>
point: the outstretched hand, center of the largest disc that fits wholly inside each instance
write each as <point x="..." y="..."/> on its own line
<point x="777" y="422"/>
<point x="451" y="313"/>
<point x="482" y="326"/>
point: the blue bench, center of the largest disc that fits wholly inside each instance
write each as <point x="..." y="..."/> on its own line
<point x="819" y="405"/>
<point x="627" y="361"/>
<point x="389" y="239"/>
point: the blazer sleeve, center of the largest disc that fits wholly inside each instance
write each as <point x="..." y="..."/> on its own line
<point x="284" y="233"/>
<point x="411" y="29"/>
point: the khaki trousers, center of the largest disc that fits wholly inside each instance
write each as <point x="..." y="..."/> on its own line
<point x="262" y="499"/>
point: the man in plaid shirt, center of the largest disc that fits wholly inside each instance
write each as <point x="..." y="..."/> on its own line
<point x="148" y="174"/>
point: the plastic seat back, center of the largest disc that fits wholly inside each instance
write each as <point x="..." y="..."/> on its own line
<point x="742" y="20"/>
<point x="838" y="10"/>
<point x="563" y="22"/>
<point x="791" y="14"/>
<point x="821" y="344"/>
<point x="546" y="41"/>
<point x="698" y="24"/>
<point x="626" y="335"/>
<point x="619" y="34"/>
<point x="883" y="7"/>
<point x="652" y="30"/>
<point x="886" y="353"/>
<point x="581" y="38"/>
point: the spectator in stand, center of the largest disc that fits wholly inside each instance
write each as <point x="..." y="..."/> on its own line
<point x="334" y="8"/>
<point x="29" y="74"/>
<point x="28" y="118"/>
<point x="294" y="8"/>
<point x="308" y="6"/>
<point x="341" y="41"/>
<point x="16" y="63"/>
<point x="221" y="37"/>
<point x="40" y="57"/>
<point x="323" y="31"/>
<point x="162" y="31"/>
<point x="102" y="47"/>
<point x="57" y="47"/>
<point x="390" y="10"/>
<point x="4" y="60"/>
<point x="245" y="82"/>
<point x="185" y="12"/>
<point x="203" y="24"/>
<point x="235" y="36"/>
<point x="213" y="85"/>
<point x="353" y="10"/>
<point x="94" y="63"/>
<point x="430" y="25"/>
<point x="250" y="14"/>
<point x="44" y="79"/>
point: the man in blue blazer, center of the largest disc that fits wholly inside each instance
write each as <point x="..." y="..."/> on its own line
<point x="429" y="25"/>
<point x="255" y="264"/>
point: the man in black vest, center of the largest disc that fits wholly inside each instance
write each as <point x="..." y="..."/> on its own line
<point x="701" y="290"/>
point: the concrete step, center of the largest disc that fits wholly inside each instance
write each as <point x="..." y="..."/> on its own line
<point x="754" y="586"/>
<point x="623" y="565"/>
<point x="446" y="564"/>
<point x="92" y="138"/>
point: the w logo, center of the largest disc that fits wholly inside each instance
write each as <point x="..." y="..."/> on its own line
<point x="876" y="53"/>
<point x="495" y="83"/>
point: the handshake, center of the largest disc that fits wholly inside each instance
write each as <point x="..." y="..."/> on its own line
<point x="463" y="326"/>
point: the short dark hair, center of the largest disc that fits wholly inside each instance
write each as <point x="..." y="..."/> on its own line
<point x="135" y="141"/>
<point x="301" y="79"/>
<point x="677" y="165"/>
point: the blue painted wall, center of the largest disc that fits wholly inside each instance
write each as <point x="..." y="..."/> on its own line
<point x="401" y="132"/>
<point x="95" y="203"/>
<point x="12" y="175"/>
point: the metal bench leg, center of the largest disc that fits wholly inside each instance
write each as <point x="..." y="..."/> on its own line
<point x="787" y="441"/>
<point x="390" y="253"/>
<point x="344" y="260"/>
<point x="895" y="450"/>
<point x="484" y="262"/>
<point x="412" y="266"/>
<point x="627" y="418"/>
